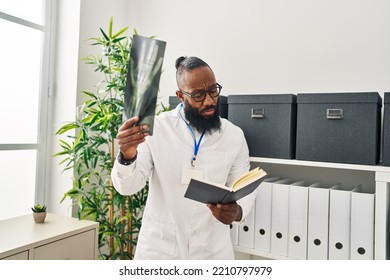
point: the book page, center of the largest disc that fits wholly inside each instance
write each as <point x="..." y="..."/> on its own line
<point x="248" y="178"/>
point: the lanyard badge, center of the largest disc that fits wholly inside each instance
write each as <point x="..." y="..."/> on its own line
<point x="196" y="143"/>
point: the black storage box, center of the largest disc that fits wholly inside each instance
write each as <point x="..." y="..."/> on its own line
<point x="173" y="101"/>
<point x="222" y="107"/>
<point x="339" y="127"/>
<point x="386" y="130"/>
<point x="268" y="122"/>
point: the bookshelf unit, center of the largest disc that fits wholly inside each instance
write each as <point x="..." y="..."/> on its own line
<point x="371" y="177"/>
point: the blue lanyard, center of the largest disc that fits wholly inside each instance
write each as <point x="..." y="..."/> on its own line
<point x="196" y="144"/>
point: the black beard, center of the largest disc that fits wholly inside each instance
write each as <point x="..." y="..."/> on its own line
<point x="200" y="123"/>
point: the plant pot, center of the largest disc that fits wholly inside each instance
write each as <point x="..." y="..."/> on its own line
<point x="39" y="217"/>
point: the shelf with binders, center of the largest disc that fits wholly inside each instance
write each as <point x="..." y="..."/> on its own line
<point x="372" y="179"/>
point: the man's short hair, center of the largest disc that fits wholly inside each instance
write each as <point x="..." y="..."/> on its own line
<point x="189" y="63"/>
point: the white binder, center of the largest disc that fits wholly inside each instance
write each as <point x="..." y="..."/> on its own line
<point x="339" y="222"/>
<point x="279" y="218"/>
<point x="263" y="215"/>
<point x="234" y="233"/>
<point x="297" y="224"/>
<point x="362" y="224"/>
<point x="318" y="222"/>
<point x="246" y="231"/>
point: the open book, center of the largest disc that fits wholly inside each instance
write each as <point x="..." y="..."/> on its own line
<point x="208" y="192"/>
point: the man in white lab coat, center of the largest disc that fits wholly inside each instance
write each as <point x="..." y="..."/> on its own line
<point x="191" y="140"/>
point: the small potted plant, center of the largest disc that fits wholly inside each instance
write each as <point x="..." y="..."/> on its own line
<point x="39" y="213"/>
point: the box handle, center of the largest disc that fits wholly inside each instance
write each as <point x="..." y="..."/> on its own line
<point x="334" y="114"/>
<point x="257" y="113"/>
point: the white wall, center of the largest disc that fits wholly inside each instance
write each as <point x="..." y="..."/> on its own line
<point x="254" y="46"/>
<point x="279" y="46"/>
<point x="63" y="99"/>
<point x="96" y="14"/>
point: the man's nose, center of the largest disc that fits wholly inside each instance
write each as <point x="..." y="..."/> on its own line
<point x="208" y="100"/>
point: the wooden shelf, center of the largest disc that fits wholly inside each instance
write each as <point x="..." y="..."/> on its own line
<point x="57" y="238"/>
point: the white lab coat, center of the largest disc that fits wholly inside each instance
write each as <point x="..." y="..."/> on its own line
<point x="173" y="226"/>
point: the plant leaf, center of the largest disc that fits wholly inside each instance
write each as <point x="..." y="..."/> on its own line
<point x="120" y="32"/>
<point x="104" y="35"/>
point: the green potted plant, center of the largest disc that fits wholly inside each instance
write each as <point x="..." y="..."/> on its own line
<point x="39" y="213"/>
<point x="90" y="152"/>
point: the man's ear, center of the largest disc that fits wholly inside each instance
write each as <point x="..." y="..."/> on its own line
<point x="180" y="95"/>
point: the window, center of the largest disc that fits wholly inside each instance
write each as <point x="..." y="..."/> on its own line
<point x="24" y="89"/>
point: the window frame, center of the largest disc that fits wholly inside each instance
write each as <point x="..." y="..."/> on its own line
<point x="42" y="145"/>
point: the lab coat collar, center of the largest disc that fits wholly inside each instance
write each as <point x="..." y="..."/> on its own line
<point x="182" y="129"/>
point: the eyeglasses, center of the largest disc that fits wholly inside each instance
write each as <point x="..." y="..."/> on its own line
<point x="199" y="96"/>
